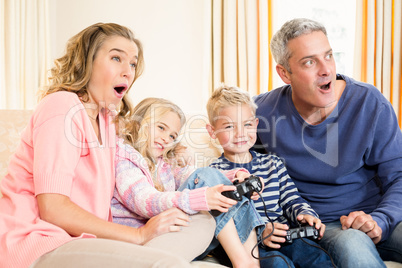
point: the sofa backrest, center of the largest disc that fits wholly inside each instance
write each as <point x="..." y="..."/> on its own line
<point x="197" y="139"/>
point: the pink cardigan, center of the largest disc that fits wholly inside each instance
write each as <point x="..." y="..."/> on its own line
<point x="59" y="153"/>
<point x="135" y="198"/>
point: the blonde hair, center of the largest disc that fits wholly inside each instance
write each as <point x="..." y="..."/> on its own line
<point x="226" y="96"/>
<point x="73" y="71"/>
<point x="136" y="132"/>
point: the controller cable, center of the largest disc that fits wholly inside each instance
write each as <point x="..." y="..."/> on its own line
<point x="260" y="241"/>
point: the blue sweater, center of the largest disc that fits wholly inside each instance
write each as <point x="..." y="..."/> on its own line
<point x="352" y="161"/>
<point x="282" y="201"/>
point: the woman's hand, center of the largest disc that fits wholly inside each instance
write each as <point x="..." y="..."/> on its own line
<point x="312" y="221"/>
<point x="59" y="210"/>
<point x="277" y="237"/>
<point x="171" y="220"/>
<point x="216" y="200"/>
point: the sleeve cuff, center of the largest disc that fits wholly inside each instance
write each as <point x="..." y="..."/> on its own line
<point x="53" y="183"/>
<point x="382" y="225"/>
<point x="198" y="199"/>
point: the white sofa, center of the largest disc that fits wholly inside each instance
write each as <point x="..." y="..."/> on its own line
<point x="12" y="122"/>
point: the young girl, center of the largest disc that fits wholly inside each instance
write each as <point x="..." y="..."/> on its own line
<point x="148" y="175"/>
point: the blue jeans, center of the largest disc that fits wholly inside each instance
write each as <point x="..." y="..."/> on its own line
<point x="244" y="215"/>
<point x="353" y="248"/>
<point x="391" y="249"/>
<point x="296" y="254"/>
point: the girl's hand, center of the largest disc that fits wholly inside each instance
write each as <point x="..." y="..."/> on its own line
<point x="311" y="220"/>
<point x="278" y="235"/>
<point x="216" y="200"/>
<point x="171" y="220"/>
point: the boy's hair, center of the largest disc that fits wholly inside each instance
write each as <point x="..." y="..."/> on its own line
<point x="226" y="96"/>
<point x="290" y="30"/>
<point x="136" y="132"/>
<point x="73" y="70"/>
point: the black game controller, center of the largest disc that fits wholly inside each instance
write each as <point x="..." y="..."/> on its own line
<point x="301" y="232"/>
<point x="245" y="188"/>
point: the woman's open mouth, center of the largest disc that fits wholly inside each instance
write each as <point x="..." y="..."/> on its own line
<point x="120" y="89"/>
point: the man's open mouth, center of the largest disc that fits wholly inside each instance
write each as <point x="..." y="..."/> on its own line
<point x="325" y="86"/>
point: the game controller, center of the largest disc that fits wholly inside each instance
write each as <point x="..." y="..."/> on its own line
<point x="244" y="188"/>
<point x="301" y="232"/>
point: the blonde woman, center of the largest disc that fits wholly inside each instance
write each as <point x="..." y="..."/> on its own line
<point x="55" y="209"/>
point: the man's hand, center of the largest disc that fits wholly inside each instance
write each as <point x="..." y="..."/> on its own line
<point x="363" y="222"/>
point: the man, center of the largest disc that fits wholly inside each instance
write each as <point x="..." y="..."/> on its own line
<point x="341" y="144"/>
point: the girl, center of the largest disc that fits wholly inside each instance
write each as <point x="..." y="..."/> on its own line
<point x="55" y="207"/>
<point x="148" y="175"/>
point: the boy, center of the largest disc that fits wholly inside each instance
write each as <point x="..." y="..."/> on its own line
<point x="233" y="122"/>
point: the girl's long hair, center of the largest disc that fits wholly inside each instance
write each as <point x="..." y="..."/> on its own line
<point x="137" y="133"/>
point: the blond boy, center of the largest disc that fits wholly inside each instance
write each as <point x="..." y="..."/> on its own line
<point x="231" y="113"/>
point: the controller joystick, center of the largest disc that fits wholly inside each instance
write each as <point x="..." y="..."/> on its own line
<point x="244" y="188"/>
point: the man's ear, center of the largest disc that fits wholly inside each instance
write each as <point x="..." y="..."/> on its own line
<point x="283" y="73"/>
<point x="211" y="131"/>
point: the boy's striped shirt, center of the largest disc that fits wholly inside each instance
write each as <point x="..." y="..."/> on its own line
<point x="280" y="194"/>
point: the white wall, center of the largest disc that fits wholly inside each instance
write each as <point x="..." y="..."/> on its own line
<point x="173" y="33"/>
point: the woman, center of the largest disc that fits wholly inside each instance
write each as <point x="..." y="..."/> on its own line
<point x="56" y="195"/>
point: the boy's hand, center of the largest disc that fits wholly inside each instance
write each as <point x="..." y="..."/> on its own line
<point x="241" y="175"/>
<point x="311" y="220"/>
<point x="278" y="235"/>
<point x="256" y="196"/>
<point x="216" y="200"/>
